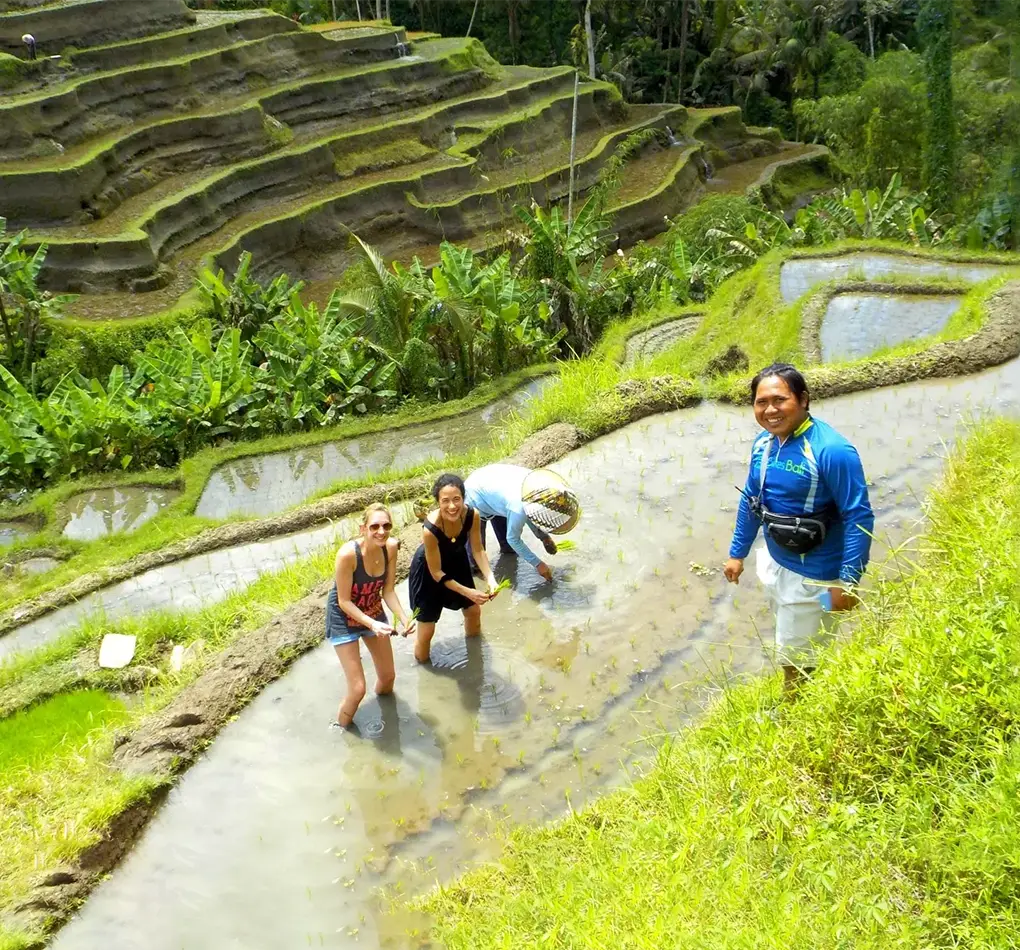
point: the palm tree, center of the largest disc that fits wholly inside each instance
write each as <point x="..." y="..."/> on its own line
<point x="807" y="48"/>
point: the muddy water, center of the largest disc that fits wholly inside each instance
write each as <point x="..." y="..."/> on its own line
<point x="36" y="565"/>
<point x="106" y="511"/>
<point x="11" y="531"/>
<point x="797" y="276"/>
<point x="266" y="484"/>
<point x="283" y="834"/>
<point x="184" y="585"/>
<point x="857" y="325"/>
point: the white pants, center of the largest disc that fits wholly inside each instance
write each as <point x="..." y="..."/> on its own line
<point x="802" y="625"/>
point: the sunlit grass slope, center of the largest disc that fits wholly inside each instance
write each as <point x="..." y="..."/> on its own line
<point x="881" y="811"/>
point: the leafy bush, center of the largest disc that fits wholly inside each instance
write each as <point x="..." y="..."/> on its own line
<point x="25" y="309"/>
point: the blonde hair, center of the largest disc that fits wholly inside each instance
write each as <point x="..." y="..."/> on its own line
<point x="372" y="509"/>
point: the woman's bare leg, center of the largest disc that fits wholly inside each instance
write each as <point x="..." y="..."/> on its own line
<point x="382" y="656"/>
<point x="349" y="655"/>
<point x="423" y="641"/>
<point x="472" y="620"/>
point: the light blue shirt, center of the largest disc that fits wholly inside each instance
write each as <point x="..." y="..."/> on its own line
<point x="495" y="492"/>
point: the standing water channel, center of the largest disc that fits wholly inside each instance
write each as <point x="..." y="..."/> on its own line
<point x="799" y="275"/>
<point x="284" y="833"/>
<point x="267" y="484"/>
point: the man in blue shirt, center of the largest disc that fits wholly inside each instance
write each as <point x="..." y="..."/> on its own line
<point x="495" y="491"/>
<point x="801" y="467"/>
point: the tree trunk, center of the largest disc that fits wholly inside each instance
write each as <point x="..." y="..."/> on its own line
<point x="935" y="24"/>
<point x="512" y="28"/>
<point x="472" y="23"/>
<point x="871" y="34"/>
<point x="8" y="333"/>
<point x="667" y="82"/>
<point x="590" y="39"/>
<point x="357" y="6"/>
<point x="685" y="16"/>
<point x="388" y="11"/>
<point x="573" y="143"/>
<point x="334" y="11"/>
<point x="378" y="9"/>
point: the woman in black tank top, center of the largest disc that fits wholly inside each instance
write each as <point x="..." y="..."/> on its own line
<point x="365" y="576"/>
<point x="440" y="570"/>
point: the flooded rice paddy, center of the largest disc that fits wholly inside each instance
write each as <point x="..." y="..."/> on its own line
<point x="857" y="325"/>
<point x="799" y="275"/>
<point x="11" y="531"/>
<point x="267" y="484"/>
<point x="105" y="511"/>
<point x="289" y="834"/>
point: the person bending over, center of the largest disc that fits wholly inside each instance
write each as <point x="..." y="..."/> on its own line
<point x="512" y="497"/>
<point x="806" y="486"/>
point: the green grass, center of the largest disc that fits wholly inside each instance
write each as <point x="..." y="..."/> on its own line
<point x="746" y="311"/>
<point x="882" y="810"/>
<point x="57" y="790"/>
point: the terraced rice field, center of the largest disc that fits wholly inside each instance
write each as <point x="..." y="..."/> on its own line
<point x="143" y="157"/>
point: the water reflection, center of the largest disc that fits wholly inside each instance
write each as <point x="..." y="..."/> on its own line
<point x="106" y="511"/>
<point x="857" y="325"/>
<point x="10" y="532"/>
<point x="797" y="276"/>
<point x="267" y="484"/>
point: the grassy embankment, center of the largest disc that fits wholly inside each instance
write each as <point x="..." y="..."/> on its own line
<point x="883" y="810"/>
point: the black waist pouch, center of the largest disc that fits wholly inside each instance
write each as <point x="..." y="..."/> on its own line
<point x="797" y="534"/>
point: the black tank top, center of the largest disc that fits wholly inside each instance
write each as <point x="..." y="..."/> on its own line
<point x="366" y="589"/>
<point x="451" y="548"/>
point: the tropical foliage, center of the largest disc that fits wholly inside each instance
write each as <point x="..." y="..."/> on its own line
<point x="262" y="361"/>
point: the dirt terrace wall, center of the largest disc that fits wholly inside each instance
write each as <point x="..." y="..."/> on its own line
<point x="191" y="42"/>
<point x="90" y="24"/>
<point x="473" y="214"/>
<point x="377" y="93"/>
<point x="545" y="83"/>
<point x="531" y="134"/>
<point x="98" y="105"/>
<point x="645" y="217"/>
<point x="78" y="194"/>
<point x="133" y="164"/>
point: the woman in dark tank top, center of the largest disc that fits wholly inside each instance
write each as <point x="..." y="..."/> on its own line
<point x="365" y="576"/>
<point x="440" y="577"/>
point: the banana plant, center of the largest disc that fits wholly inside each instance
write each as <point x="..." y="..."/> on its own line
<point x="243" y="302"/>
<point x="199" y="387"/>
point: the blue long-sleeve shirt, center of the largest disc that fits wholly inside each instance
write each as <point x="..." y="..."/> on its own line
<point x="495" y="492"/>
<point x="814" y="468"/>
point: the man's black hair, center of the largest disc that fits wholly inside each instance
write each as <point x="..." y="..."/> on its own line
<point x="445" y="480"/>
<point x="789" y="374"/>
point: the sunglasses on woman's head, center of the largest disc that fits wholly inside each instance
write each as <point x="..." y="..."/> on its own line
<point x="383" y="526"/>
